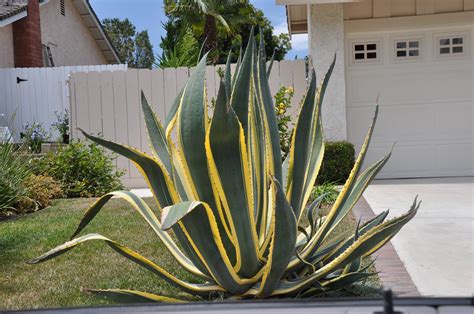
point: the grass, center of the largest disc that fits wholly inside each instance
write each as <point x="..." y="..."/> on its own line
<point x="57" y="283"/>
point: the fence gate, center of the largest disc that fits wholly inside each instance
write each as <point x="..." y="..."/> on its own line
<point x="30" y="95"/>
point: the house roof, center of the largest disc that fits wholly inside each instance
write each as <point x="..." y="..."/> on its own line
<point x="14" y="10"/>
<point x="297" y="13"/>
<point x="12" y="13"/>
<point x="297" y="19"/>
<point x="7" y="11"/>
<point x="96" y="29"/>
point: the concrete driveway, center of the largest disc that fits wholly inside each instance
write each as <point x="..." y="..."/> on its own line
<point x="437" y="246"/>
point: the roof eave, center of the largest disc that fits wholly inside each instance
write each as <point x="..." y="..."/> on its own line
<point x="108" y="51"/>
<point x="13" y="18"/>
<point x="19" y="15"/>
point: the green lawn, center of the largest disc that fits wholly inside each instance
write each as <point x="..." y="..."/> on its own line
<point x="57" y="283"/>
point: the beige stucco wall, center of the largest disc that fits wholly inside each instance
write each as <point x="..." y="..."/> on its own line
<point x="326" y="37"/>
<point x="6" y="47"/>
<point x="69" y="39"/>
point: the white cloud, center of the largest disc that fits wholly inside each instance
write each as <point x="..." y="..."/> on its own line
<point x="299" y="42"/>
<point x="280" y="28"/>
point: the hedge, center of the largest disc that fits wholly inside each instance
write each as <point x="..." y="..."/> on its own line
<point x="339" y="158"/>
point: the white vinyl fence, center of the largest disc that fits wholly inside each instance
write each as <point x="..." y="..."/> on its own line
<point x="108" y="103"/>
<point x="30" y="95"/>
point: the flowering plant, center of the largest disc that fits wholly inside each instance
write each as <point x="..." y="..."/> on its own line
<point x="62" y="125"/>
<point x="282" y="102"/>
<point x="33" y="135"/>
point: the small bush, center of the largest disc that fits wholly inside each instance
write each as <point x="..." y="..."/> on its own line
<point x="41" y="190"/>
<point x="339" y="158"/>
<point x="328" y="190"/>
<point x="13" y="172"/>
<point x="83" y="170"/>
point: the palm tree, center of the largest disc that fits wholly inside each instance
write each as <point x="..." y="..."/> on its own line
<point x="205" y="16"/>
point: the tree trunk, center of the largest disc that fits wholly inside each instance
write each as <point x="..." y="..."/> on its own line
<point x="210" y="32"/>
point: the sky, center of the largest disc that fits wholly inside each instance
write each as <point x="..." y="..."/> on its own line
<point x="149" y="14"/>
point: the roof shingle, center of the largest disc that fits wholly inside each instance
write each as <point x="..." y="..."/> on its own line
<point x="7" y="11"/>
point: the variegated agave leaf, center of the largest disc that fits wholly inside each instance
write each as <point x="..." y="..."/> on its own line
<point x="234" y="208"/>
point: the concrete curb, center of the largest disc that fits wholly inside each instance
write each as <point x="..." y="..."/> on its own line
<point x="393" y="273"/>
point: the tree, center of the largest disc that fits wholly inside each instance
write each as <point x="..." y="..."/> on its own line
<point x="144" y="57"/>
<point x="278" y="44"/>
<point x="133" y="48"/>
<point x="205" y="17"/>
<point x="239" y="17"/>
<point x="184" y="52"/>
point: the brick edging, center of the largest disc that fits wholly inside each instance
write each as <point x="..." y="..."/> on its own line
<point x="392" y="272"/>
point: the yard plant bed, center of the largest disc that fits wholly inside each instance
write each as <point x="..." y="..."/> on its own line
<point x="57" y="283"/>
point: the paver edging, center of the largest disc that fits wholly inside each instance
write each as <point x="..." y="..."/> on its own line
<point x="392" y="271"/>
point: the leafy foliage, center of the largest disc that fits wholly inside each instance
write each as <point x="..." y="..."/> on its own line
<point x="224" y="26"/>
<point x="20" y="190"/>
<point x="62" y="125"/>
<point x="338" y="161"/>
<point x="327" y="192"/>
<point x="144" y="56"/>
<point x="82" y="170"/>
<point x="208" y="17"/>
<point x="276" y="45"/>
<point x="62" y="122"/>
<point x="282" y="102"/>
<point x="33" y="135"/>
<point x="184" y="53"/>
<point x="232" y="205"/>
<point x="40" y="191"/>
<point x="133" y="48"/>
<point x="13" y="172"/>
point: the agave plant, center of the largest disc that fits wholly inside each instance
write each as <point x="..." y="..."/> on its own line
<point x="236" y="211"/>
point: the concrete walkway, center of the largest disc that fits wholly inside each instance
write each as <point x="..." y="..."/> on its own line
<point x="437" y="246"/>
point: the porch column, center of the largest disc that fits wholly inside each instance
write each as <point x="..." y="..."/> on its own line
<point x="326" y="37"/>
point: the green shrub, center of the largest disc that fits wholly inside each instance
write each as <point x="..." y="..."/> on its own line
<point x="40" y="191"/>
<point x="338" y="162"/>
<point x="327" y="190"/>
<point x="83" y="170"/>
<point x="13" y="172"/>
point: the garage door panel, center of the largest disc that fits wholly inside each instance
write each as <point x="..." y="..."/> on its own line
<point x="411" y="123"/>
<point x="455" y="158"/>
<point x="444" y="84"/>
<point x="454" y="120"/>
<point x="406" y="160"/>
<point x="410" y="160"/>
<point x="426" y="107"/>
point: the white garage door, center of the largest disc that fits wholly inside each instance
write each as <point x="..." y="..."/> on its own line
<point x="425" y="81"/>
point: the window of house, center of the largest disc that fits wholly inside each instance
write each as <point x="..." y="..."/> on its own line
<point x="62" y="7"/>
<point x="365" y="52"/>
<point x="452" y="45"/>
<point x="407" y="49"/>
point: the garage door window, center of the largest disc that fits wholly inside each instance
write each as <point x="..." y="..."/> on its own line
<point x="363" y="52"/>
<point x="451" y="46"/>
<point x="407" y="49"/>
